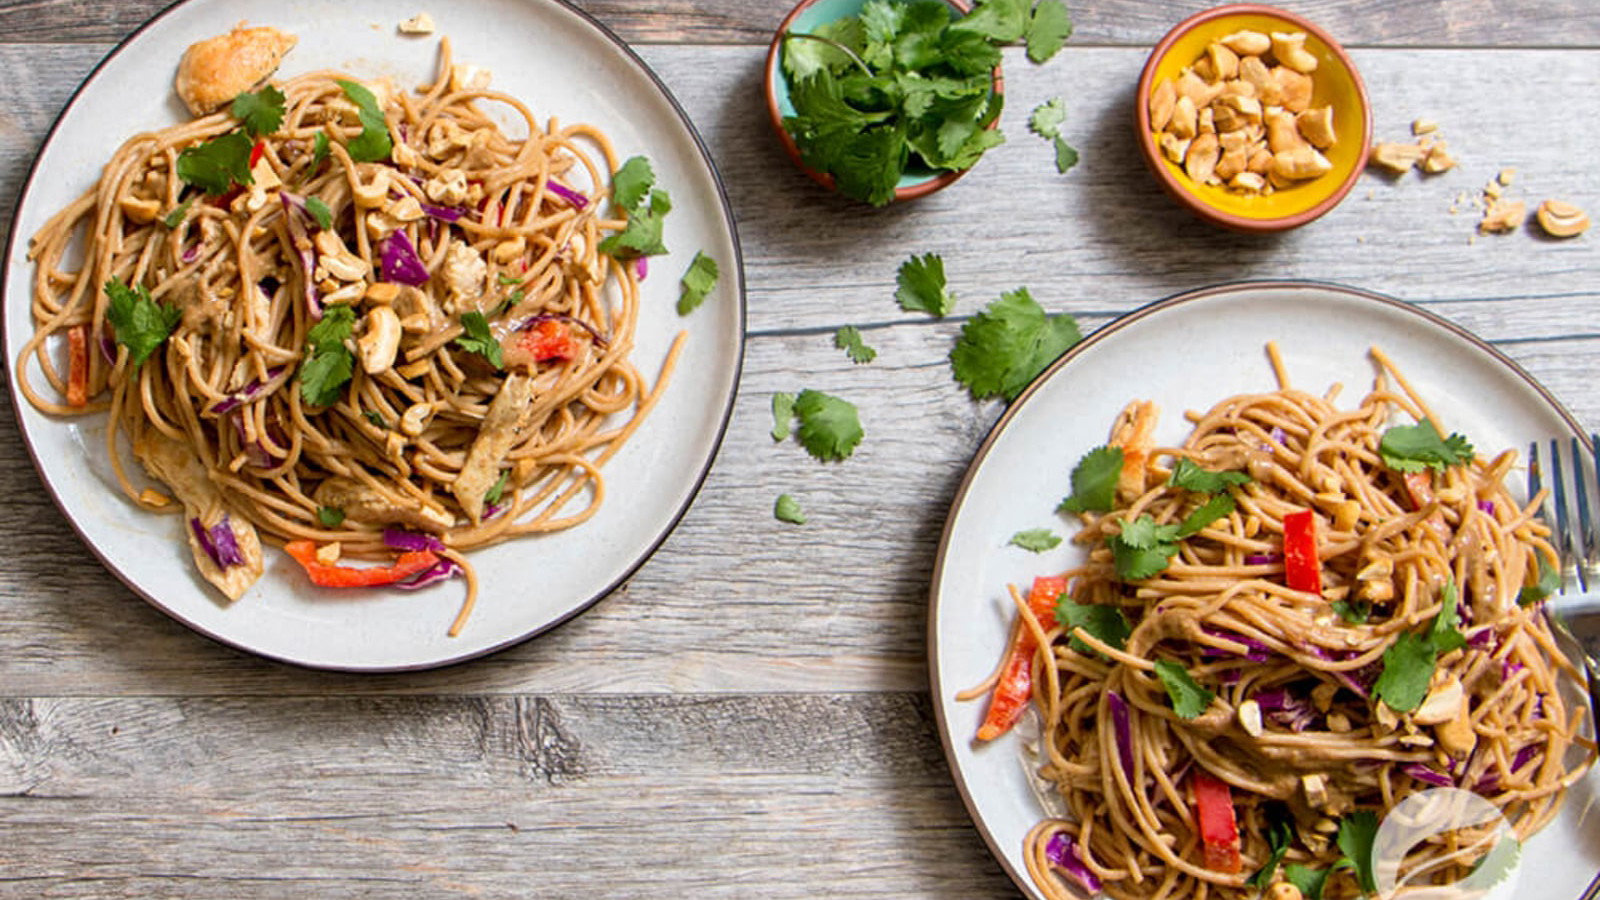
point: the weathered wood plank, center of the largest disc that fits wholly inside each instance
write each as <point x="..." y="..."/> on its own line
<point x="549" y="795"/>
<point x="1566" y="23"/>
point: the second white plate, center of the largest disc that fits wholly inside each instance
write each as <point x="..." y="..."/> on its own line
<point x="1187" y="353"/>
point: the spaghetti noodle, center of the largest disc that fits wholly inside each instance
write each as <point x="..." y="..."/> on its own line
<point x="1243" y="717"/>
<point x="400" y="331"/>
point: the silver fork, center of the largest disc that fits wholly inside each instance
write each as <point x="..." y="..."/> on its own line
<point x="1577" y="614"/>
<point x="1575" y="530"/>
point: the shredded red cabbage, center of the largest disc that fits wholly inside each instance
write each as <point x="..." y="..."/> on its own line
<point x="1124" y="730"/>
<point x="294" y="207"/>
<point x="401" y="262"/>
<point x="191" y="253"/>
<point x="443" y="213"/>
<point x="1255" y="651"/>
<point x="1062" y="852"/>
<point x="239" y="397"/>
<point x="1289" y="710"/>
<point x="642" y="267"/>
<point x="218" y="542"/>
<point x="400" y="539"/>
<point x="1487" y="506"/>
<point x="1428" y="775"/>
<point x="567" y="194"/>
<point x="1262" y="559"/>
<point x="439" y="571"/>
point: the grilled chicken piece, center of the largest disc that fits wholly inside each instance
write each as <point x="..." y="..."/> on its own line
<point x="177" y="465"/>
<point x="1134" y="432"/>
<point x="501" y="427"/>
<point x="216" y="70"/>
<point x="361" y="503"/>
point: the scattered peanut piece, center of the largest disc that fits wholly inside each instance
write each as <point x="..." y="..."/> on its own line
<point x="1240" y="116"/>
<point x="1561" y="219"/>
<point x="421" y="23"/>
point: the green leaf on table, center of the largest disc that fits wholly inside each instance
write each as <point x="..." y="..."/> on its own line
<point x="1036" y="540"/>
<point x="829" y="427"/>
<point x="1049" y="26"/>
<point x="782" y="415"/>
<point x="848" y="338"/>
<point x="920" y="286"/>
<point x="787" y="509"/>
<point x="1004" y="347"/>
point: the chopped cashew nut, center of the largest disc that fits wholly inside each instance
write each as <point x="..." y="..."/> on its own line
<point x="1561" y="219"/>
<point x="1228" y="117"/>
<point x="421" y="23"/>
<point x="1397" y="158"/>
<point x="1503" y="216"/>
<point x="378" y="345"/>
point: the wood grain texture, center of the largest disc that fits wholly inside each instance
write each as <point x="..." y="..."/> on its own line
<point x="750" y="715"/>
<point x="840" y="603"/>
<point x="1464" y="23"/>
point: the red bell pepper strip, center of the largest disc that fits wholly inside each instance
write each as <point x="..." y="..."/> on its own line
<point x="1302" y="570"/>
<point x="1015" y="687"/>
<point x="1219" y="832"/>
<point x="410" y="563"/>
<point x="78" y="365"/>
<point x="256" y="152"/>
<point x="548" y="340"/>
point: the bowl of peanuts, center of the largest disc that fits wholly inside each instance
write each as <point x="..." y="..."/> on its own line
<point x="1253" y="118"/>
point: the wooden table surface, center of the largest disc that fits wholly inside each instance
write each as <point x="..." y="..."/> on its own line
<point x="750" y="715"/>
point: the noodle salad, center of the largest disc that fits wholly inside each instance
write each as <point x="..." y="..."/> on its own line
<point x="350" y="321"/>
<point x="1283" y="628"/>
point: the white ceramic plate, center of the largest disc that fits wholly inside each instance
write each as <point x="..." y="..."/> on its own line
<point x="1186" y="353"/>
<point x="562" y="64"/>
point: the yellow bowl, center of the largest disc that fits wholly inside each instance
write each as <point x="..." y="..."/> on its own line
<point x="1335" y="83"/>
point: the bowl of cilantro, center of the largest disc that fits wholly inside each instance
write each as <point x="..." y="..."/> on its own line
<point x="886" y="100"/>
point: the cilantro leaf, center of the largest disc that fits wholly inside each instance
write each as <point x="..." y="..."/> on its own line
<point x="787" y="509"/>
<point x="261" y="112"/>
<point x="319" y="210"/>
<point x="1353" y="612"/>
<point x="848" y="339"/>
<point x="1445" y="634"/>
<point x="374" y="143"/>
<point x="697" y="282"/>
<point x="1189" y="699"/>
<point x="1310" y="881"/>
<point x="217" y="165"/>
<point x="1047" y="118"/>
<point x="1143" y="548"/>
<point x="319" y="150"/>
<point x="1094" y="481"/>
<point x="1002" y="21"/>
<point x="631" y="183"/>
<point x="476" y="338"/>
<point x="1191" y="476"/>
<point x="831" y="46"/>
<point x="1496" y="864"/>
<point x="1357" y="833"/>
<point x="642" y="235"/>
<point x="920" y="285"/>
<point x="829" y="427"/>
<point x="1036" y="540"/>
<point x="179" y="213"/>
<point x="1549" y="582"/>
<point x="782" y="415"/>
<point x="1047" y="30"/>
<point x="1280" y="834"/>
<point x="1412" y="448"/>
<point x="330" y="516"/>
<point x="497" y="490"/>
<point x="1003" y="348"/>
<point x="141" y="324"/>
<point x="1213" y="509"/>
<point x="1106" y="624"/>
<point x="1066" y="155"/>
<point x="1407" y="670"/>
<point x="328" y="363"/>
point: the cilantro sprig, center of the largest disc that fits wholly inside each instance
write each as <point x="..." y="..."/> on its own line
<point x="1035" y="540"/>
<point x="920" y="286"/>
<point x="907" y="87"/>
<point x="141" y="324"/>
<point x="633" y="192"/>
<point x="476" y="338"/>
<point x="1094" y="481"/>
<point x="328" y="363"/>
<point x="1409" y="662"/>
<point x="373" y="144"/>
<point x="787" y="509"/>
<point x="216" y="165"/>
<point x="696" y="283"/>
<point x="1008" y="344"/>
<point x="1188" y="698"/>
<point x="848" y="338"/>
<point x="1106" y="624"/>
<point x="1412" y="448"/>
<point x="1046" y="122"/>
<point x="828" y="427"/>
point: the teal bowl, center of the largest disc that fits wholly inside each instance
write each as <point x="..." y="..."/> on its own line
<point x="917" y="181"/>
